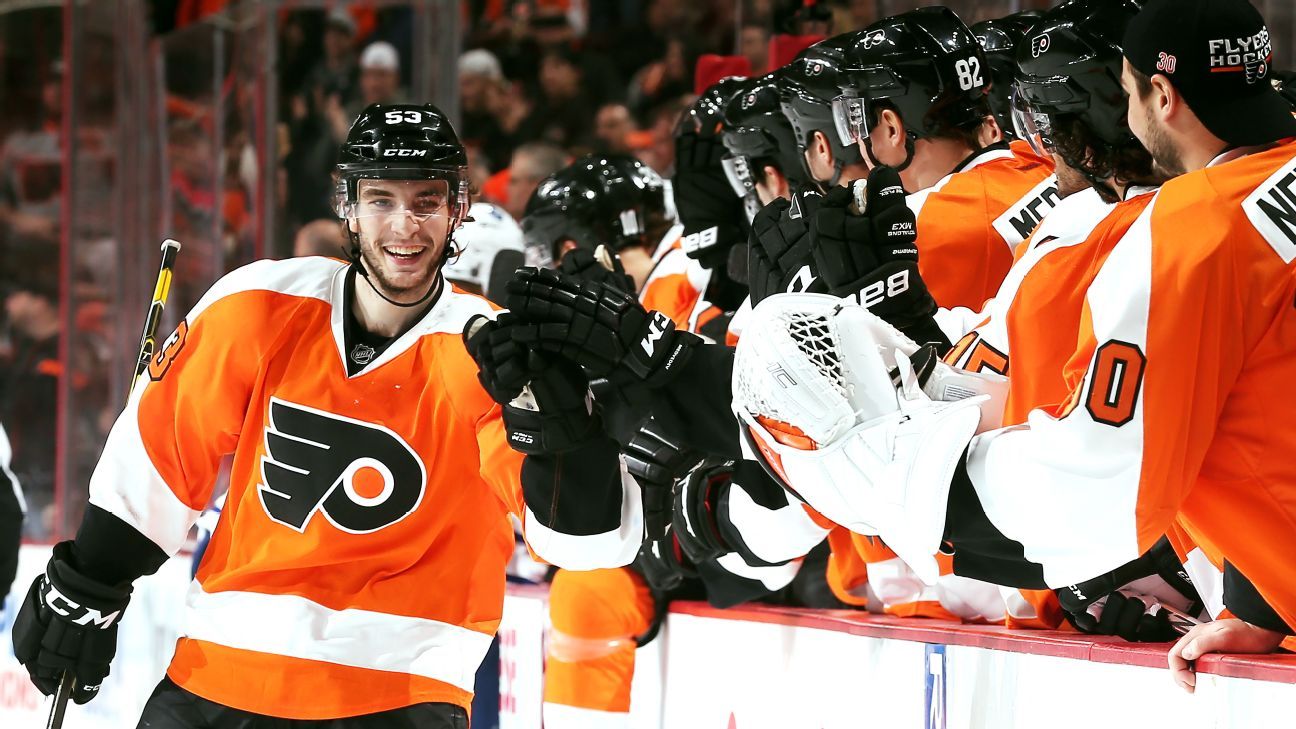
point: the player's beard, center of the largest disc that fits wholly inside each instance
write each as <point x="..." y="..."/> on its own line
<point x="402" y="286"/>
<point x="1167" y="162"/>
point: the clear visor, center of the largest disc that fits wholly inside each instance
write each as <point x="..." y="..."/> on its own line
<point x="1032" y="126"/>
<point x="751" y="206"/>
<point x="737" y="170"/>
<point x="850" y="115"/>
<point x="423" y="199"/>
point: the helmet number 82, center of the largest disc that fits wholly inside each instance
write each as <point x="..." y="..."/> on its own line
<point x="969" y="73"/>
<point x="409" y="117"/>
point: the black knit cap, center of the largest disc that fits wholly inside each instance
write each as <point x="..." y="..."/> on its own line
<point x="1217" y="54"/>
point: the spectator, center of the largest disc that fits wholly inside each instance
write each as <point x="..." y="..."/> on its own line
<point x="753" y="44"/>
<point x="566" y="110"/>
<point x="613" y="127"/>
<point x="29" y="383"/>
<point x="668" y="78"/>
<point x="30" y="175"/>
<point x="321" y="237"/>
<point x="531" y="163"/>
<point x="484" y="100"/>
<point x="335" y="75"/>
<point x="379" y="76"/>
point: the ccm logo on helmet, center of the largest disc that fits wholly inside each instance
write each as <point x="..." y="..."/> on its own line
<point x="404" y="152"/>
<point x="360" y="476"/>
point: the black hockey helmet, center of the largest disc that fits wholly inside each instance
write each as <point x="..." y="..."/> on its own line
<point x="596" y="200"/>
<point x="999" y="38"/>
<point x="402" y="142"/>
<point x="924" y="63"/>
<point x="706" y="115"/>
<point x="756" y="129"/>
<point x="807" y="87"/>
<point x="1070" y="63"/>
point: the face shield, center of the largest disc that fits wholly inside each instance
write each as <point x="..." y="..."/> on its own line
<point x="1032" y="126"/>
<point x="850" y="119"/>
<point x="415" y="192"/>
<point x="738" y="170"/>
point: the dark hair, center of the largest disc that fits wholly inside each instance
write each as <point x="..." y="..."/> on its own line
<point x="1082" y="149"/>
<point x="1141" y="81"/>
<point x="968" y="132"/>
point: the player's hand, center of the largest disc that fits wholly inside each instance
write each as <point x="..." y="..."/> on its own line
<point x="696" y="500"/>
<point x="656" y="461"/>
<point x="1220" y="636"/>
<point x="871" y="255"/>
<point x="604" y="330"/>
<point x="601" y="266"/>
<point x="68" y="623"/>
<point x="1129" y="600"/>
<point x="554" y="413"/>
<point x="779" y="256"/>
<point x="711" y="213"/>
<point x="662" y="564"/>
<point x="503" y="365"/>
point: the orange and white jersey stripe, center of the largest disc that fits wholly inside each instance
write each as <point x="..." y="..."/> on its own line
<point x="358" y="565"/>
<point x="676" y="285"/>
<point x="970" y="221"/>
<point x="1183" y="361"/>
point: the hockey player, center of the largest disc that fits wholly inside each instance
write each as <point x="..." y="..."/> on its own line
<point x="357" y="568"/>
<point x="1000" y="38"/>
<point x="913" y="98"/>
<point x="489" y="249"/>
<point x="12" y="509"/>
<point x="1202" y="275"/>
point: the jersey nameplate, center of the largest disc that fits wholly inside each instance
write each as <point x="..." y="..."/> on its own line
<point x="362" y="477"/>
<point x="1272" y="210"/>
<point x="1016" y="224"/>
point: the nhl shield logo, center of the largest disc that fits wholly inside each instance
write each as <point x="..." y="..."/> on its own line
<point x="362" y="354"/>
<point x="1040" y="45"/>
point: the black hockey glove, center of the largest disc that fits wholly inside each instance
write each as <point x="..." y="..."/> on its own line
<point x="710" y="211"/>
<point x="779" y="255"/>
<point x="872" y="256"/>
<point x="662" y="564"/>
<point x="554" y="413"/>
<point x="696" y="500"/>
<point x="656" y="462"/>
<point x="503" y="365"/>
<point x="1127" y="601"/>
<point x="584" y="265"/>
<point x="604" y="330"/>
<point x="68" y="622"/>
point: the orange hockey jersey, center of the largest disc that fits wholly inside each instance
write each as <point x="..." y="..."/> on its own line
<point x="358" y="565"/>
<point x="970" y="221"/>
<point x="1183" y="361"/>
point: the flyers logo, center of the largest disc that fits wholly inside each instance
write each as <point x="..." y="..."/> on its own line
<point x="875" y="38"/>
<point x="161" y="360"/>
<point x="361" y="477"/>
<point x="1040" y="45"/>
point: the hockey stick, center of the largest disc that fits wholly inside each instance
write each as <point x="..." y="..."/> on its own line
<point x="148" y="344"/>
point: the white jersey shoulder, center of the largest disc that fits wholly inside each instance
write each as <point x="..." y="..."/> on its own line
<point x="310" y="276"/>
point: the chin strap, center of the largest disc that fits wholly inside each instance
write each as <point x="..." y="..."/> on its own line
<point x="357" y="263"/>
<point x="910" y="139"/>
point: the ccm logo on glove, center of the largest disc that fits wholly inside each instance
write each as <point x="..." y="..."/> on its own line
<point x="78" y="614"/>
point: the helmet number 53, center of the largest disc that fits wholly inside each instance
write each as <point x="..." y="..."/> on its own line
<point x="969" y="73"/>
<point x="406" y="117"/>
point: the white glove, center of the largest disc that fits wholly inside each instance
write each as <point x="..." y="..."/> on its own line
<point x="813" y="390"/>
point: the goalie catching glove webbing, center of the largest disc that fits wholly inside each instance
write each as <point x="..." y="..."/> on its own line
<point x="813" y="390"/>
<point x="602" y="329"/>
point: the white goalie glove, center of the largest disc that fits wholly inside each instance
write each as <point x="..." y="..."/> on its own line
<point x="814" y="393"/>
